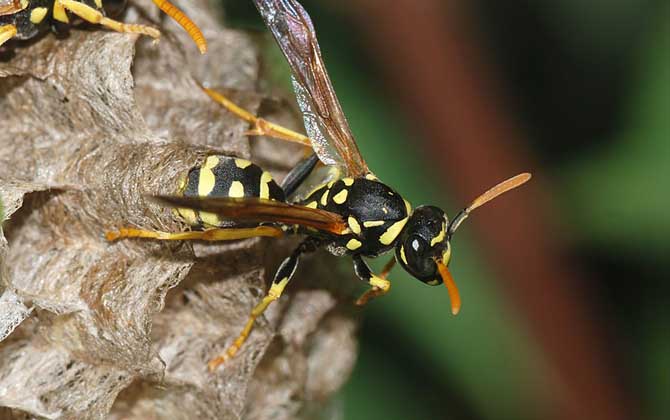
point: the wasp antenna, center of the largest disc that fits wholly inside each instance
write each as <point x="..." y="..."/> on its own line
<point x="184" y="21"/>
<point x="501" y="188"/>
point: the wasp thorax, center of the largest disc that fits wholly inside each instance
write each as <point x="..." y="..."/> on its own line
<point x="422" y="242"/>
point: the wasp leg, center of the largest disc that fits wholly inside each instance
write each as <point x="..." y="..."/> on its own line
<point x="387" y="268"/>
<point x="298" y="174"/>
<point x="380" y="285"/>
<point x="7" y="32"/>
<point x="259" y="126"/>
<point x="92" y="15"/>
<point x="204" y="235"/>
<point x="281" y="279"/>
<point x="185" y="22"/>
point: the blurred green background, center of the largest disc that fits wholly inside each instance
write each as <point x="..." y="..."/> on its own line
<point x="589" y="85"/>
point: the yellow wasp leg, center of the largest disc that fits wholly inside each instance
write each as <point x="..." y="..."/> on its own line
<point x="191" y="28"/>
<point x="273" y="294"/>
<point x="7" y="32"/>
<point x="387" y="268"/>
<point x="281" y="278"/>
<point x="92" y="15"/>
<point x="205" y="235"/>
<point x="260" y="127"/>
<point x="59" y="13"/>
<point x="380" y="285"/>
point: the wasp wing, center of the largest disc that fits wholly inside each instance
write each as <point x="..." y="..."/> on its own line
<point x="258" y="210"/>
<point x="324" y="120"/>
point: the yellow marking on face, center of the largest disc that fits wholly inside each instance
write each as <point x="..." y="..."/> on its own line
<point x="324" y="198"/>
<point x="353" y="244"/>
<point x="392" y="232"/>
<point x="209" y="219"/>
<point x="385" y="210"/>
<point x="373" y="223"/>
<point x="341" y="197"/>
<point x="266" y="178"/>
<point x="188" y="215"/>
<point x="211" y="162"/>
<point x="206" y="182"/>
<point x="98" y="3"/>
<point x="236" y="190"/>
<point x="59" y="13"/>
<point x="312" y="205"/>
<point x="37" y="15"/>
<point x="440" y="236"/>
<point x="371" y="177"/>
<point x="242" y="163"/>
<point x="402" y="254"/>
<point x="348" y="181"/>
<point x="353" y="224"/>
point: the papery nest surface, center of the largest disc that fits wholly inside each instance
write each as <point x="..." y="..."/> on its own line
<point x="91" y="123"/>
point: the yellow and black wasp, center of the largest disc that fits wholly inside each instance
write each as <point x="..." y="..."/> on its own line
<point x="341" y="206"/>
<point x="25" y="19"/>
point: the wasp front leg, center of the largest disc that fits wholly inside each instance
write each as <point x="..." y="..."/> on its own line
<point x="259" y="126"/>
<point x="91" y="15"/>
<point x="281" y="279"/>
<point x="379" y="285"/>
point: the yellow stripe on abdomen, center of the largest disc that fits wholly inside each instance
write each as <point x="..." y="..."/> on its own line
<point x="206" y="181"/>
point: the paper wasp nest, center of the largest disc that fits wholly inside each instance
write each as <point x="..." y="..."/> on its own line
<point x="90" y="123"/>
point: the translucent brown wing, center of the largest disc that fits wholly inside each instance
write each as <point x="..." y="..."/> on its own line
<point x="258" y="210"/>
<point x="325" y="122"/>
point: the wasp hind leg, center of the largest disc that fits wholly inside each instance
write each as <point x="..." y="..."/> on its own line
<point x="204" y="235"/>
<point x="185" y="22"/>
<point x="7" y="32"/>
<point x="91" y="15"/>
<point x="379" y="284"/>
<point x="259" y="126"/>
<point x="282" y="277"/>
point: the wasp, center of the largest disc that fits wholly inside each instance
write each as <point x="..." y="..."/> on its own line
<point x="331" y="198"/>
<point x="26" y="19"/>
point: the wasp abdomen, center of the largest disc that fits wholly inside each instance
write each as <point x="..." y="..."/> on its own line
<point x="225" y="176"/>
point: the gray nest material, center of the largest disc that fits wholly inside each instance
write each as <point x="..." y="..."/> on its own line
<point x="88" y="329"/>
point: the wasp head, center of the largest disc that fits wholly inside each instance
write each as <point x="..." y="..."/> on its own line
<point x="423" y="249"/>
